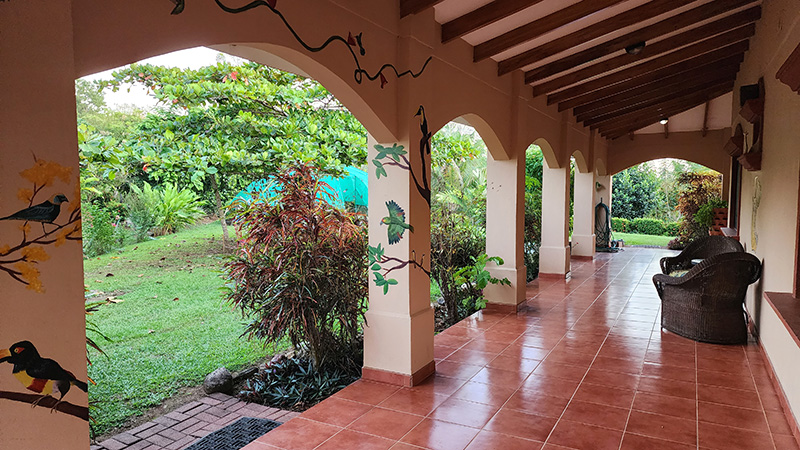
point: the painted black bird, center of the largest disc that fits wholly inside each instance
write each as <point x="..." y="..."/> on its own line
<point x="179" y="6"/>
<point x="425" y="140"/>
<point x="45" y="212"/>
<point x="41" y="375"/>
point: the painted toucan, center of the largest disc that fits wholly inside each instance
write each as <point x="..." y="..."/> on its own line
<point x="45" y="212"/>
<point x="41" y="375"/>
<point x="425" y="140"/>
<point x="396" y="220"/>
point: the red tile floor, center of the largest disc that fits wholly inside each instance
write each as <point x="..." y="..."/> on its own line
<point x="584" y="365"/>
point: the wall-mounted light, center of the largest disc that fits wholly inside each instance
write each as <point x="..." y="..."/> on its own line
<point x="663" y="121"/>
<point x="635" y="49"/>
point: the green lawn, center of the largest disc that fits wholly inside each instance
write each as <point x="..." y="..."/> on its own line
<point x="643" y="239"/>
<point x="171" y="327"/>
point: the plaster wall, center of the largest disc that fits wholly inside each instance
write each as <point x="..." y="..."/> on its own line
<point x="768" y="222"/>
<point x="689" y="145"/>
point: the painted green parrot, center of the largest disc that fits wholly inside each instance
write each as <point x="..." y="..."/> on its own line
<point x="396" y="220"/>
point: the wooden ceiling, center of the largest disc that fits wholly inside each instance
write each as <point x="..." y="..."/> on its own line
<point x="579" y="53"/>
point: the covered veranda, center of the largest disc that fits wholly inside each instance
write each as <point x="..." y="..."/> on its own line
<point x="584" y="364"/>
<point x="587" y="80"/>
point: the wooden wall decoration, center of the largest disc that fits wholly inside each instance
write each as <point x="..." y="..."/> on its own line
<point x="752" y="99"/>
<point x="789" y="73"/>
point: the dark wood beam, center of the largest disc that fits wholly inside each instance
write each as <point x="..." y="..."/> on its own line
<point x="668" y="109"/>
<point x="655" y="101"/>
<point x="539" y="27"/>
<point x="705" y="46"/>
<point x="683" y="20"/>
<point x="656" y="94"/>
<point x="660" y="85"/>
<point x="408" y="7"/>
<point x="485" y="15"/>
<point x="705" y="119"/>
<point x="643" y="69"/>
<point x="630" y="17"/>
<point x="699" y="66"/>
<point x="666" y="129"/>
<point x="649" y="117"/>
<point x="664" y="107"/>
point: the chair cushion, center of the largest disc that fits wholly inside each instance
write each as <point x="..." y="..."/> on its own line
<point x="678" y="273"/>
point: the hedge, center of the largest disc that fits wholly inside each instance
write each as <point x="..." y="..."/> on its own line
<point x="653" y="227"/>
<point x="620" y="225"/>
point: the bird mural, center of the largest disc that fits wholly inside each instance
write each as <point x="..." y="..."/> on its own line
<point x="41" y="375"/>
<point x="396" y="221"/>
<point x="45" y="212"/>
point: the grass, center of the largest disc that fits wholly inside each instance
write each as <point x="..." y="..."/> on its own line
<point x="643" y="239"/>
<point x="171" y="328"/>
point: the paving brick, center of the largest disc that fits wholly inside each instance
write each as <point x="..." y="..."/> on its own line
<point x="225" y="420"/>
<point x="188" y="406"/>
<point x="154" y="447"/>
<point x="185" y="424"/>
<point x="220" y="396"/>
<point x="212" y="427"/>
<point x="200" y="407"/>
<point x="200" y="432"/>
<point x="210" y="401"/>
<point x="196" y="427"/>
<point x="230" y="402"/>
<point x="172" y="434"/>
<point x="127" y="438"/>
<point x="113" y="444"/>
<point x="236" y="406"/>
<point x="166" y="421"/>
<point x="185" y="442"/>
<point x="217" y="411"/>
<point x="139" y="445"/>
<point x="96" y="447"/>
<point x="141" y="428"/>
<point x="151" y="431"/>
<point x="205" y="417"/>
<point x="160" y="440"/>
<point x="179" y="416"/>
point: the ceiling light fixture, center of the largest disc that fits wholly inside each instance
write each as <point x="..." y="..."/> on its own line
<point x="663" y="121"/>
<point x="635" y="49"/>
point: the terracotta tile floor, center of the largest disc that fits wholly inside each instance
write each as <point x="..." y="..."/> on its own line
<point x="584" y="365"/>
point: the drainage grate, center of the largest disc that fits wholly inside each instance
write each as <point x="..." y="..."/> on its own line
<point x="236" y="435"/>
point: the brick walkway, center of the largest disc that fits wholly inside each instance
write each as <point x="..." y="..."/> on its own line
<point x="182" y="427"/>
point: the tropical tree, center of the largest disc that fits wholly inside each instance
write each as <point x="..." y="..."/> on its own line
<point x="636" y="193"/>
<point x="220" y="126"/>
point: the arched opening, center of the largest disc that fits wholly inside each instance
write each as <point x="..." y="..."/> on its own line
<point x="161" y="303"/>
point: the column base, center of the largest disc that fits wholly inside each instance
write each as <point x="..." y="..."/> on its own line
<point x="583" y="246"/>
<point x="554" y="261"/>
<point x="510" y="296"/>
<point x="399" y="379"/>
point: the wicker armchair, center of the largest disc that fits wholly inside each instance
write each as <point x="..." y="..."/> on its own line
<point x="700" y="248"/>
<point x="706" y="304"/>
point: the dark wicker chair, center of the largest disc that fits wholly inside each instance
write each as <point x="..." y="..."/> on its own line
<point x="706" y="304"/>
<point x="704" y="247"/>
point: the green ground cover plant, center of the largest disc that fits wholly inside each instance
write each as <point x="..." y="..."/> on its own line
<point x="168" y="328"/>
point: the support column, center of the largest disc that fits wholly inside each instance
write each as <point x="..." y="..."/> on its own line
<point x="398" y="335"/>
<point x="554" y="252"/>
<point x="505" y="223"/>
<point x="583" y="238"/>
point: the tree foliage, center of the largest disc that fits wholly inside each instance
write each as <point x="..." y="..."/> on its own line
<point x="696" y="189"/>
<point x="636" y="194"/>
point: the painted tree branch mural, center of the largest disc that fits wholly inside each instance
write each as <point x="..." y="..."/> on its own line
<point x="378" y="259"/>
<point x="19" y="260"/>
<point x="351" y="42"/>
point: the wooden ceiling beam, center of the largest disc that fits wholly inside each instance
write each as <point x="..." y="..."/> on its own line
<point x="662" y="84"/>
<point x="698" y="66"/>
<point x="683" y="20"/>
<point x="705" y="46"/>
<point x="627" y="18"/>
<point x="704" y="130"/>
<point x="664" y="109"/>
<point x="654" y="101"/>
<point x="651" y="115"/>
<point x="539" y="27"/>
<point x="648" y="117"/>
<point x="485" y="15"/>
<point x="408" y="7"/>
<point x="645" y="68"/>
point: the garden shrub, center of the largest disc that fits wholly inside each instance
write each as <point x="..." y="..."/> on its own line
<point x="301" y="272"/>
<point x="98" y="231"/>
<point x="170" y="208"/>
<point x="653" y="227"/>
<point x="620" y="225"/>
<point x="696" y="189"/>
<point x="705" y="214"/>
<point x="671" y="228"/>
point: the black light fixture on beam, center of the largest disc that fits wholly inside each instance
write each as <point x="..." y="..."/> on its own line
<point x="635" y="49"/>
